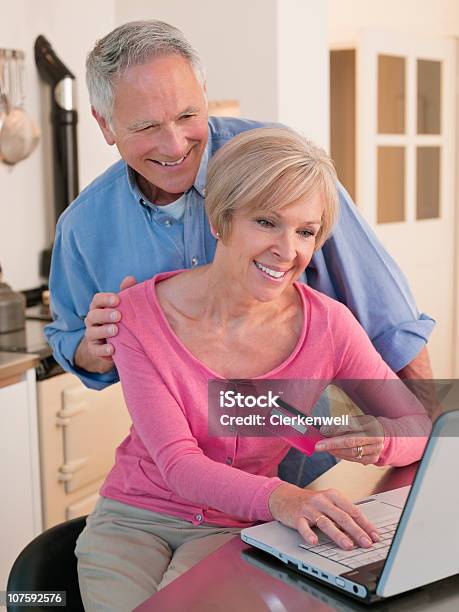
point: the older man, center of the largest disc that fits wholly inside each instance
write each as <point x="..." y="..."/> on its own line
<point x="146" y="215"/>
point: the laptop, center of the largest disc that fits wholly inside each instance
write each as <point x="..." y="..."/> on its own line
<point x="419" y="528"/>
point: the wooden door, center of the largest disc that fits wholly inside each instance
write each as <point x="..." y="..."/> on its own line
<point x="405" y="179"/>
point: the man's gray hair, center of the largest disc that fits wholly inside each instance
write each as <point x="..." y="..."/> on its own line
<point x="128" y="45"/>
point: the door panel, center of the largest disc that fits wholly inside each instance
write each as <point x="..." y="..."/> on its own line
<point x="405" y="167"/>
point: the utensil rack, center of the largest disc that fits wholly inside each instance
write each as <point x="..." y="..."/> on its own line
<point x="11" y="53"/>
<point x="8" y="56"/>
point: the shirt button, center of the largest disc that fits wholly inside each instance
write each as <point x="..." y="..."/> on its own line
<point x="229" y="461"/>
<point x="168" y="223"/>
<point x="199" y="517"/>
<point x="194" y="262"/>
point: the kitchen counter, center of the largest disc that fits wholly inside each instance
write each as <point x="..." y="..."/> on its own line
<point x="20" y="515"/>
<point x="14" y="365"/>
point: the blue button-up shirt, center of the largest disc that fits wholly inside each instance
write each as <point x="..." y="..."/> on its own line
<point x="111" y="231"/>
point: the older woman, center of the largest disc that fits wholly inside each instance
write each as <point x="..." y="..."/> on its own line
<point x="175" y="493"/>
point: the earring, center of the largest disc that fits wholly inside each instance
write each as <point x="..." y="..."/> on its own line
<point x="217" y="235"/>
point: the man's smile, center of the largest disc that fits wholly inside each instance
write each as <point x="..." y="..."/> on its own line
<point x="176" y="162"/>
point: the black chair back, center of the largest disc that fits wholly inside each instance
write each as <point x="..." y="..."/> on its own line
<point x="48" y="563"/>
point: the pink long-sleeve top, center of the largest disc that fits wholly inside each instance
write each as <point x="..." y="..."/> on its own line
<point x="169" y="464"/>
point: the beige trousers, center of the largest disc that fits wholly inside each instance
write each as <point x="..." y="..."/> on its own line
<point x="125" y="554"/>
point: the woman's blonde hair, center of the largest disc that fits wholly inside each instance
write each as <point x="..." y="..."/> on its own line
<point x="267" y="169"/>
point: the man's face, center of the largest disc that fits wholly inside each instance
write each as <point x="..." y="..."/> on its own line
<point x="159" y="124"/>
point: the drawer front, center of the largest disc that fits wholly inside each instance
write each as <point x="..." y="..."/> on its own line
<point x="93" y="424"/>
<point x="82" y="507"/>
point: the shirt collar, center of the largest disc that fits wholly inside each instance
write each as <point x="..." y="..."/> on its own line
<point x="133" y="187"/>
<point x="201" y="177"/>
<point x="199" y="183"/>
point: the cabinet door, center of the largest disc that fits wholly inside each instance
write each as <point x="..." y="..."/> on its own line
<point x="81" y="507"/>
<point x="20" y="519"/>
<point x="93" y="425"/>
<point x="405" y="167"/>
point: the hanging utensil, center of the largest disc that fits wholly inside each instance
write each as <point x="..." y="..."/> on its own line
<point x="19" y="135"/>
<point x="4" y="102"/>
<point x="35" y="130"/>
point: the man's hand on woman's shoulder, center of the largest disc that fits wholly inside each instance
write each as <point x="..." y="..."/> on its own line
<point x="94" y="353"/>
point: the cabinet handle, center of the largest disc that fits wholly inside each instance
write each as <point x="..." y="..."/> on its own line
<point x="73" y="410"/>
<point x="63" y="416"/>
<point x="67" y="470"/>
<point x="60" y="422"/>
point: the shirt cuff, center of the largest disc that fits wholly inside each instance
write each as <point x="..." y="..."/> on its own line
<point x="260" y="503"/>
<point x="64" y="351"/>
<point x="399" y="345"/>
<point x="399" y="449"/>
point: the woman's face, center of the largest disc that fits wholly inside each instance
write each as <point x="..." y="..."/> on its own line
<point x="267" y="251"/>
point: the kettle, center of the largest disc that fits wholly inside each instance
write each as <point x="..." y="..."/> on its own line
<point x="12" y="308"/>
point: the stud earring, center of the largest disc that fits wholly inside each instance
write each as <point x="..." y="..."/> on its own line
<point x="217" y="235"/>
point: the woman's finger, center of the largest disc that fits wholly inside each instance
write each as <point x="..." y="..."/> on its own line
<point x="355" y="513"/>
<point x="328" y="526"/>
<point x="367" y="460"/>
<point x="352" y="453"/>
<point x="350" y="527"/>
<point x="368" y="426"/>
<point x="339" y="443"/>
<point x="305" y="531"/>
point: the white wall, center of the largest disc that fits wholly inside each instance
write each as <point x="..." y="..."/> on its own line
<point x="427" y="17"/>
<point x="236" y="40"/>
<point x="26" y="189"/>
<point x="303" y="67"/>
<point x="269" y="54"/>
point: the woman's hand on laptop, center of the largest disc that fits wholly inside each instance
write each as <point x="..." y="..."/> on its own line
<point x="328" y="510"/>
<point x="362" y="440"/>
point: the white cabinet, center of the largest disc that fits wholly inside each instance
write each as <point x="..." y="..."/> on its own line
<point x="20" y="510"/>
<point x="79" y="432"/>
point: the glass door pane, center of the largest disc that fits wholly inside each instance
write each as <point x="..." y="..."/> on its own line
<point x="391" y="184"/>
<point x="342" y="116"/>
<point x="391" y="94"/>
<point x="429" y="97"/>
<point x="428" y="183"/>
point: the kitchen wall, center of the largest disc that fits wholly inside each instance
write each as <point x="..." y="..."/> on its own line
<point x="236" y="40"/>
<point x="26" y="189"/>
<point x="269" y="54"/>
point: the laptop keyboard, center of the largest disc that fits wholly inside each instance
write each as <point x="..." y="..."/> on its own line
<point x="357" y="556"/>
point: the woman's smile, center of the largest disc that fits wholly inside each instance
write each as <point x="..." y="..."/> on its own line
<point x="271" y="272"/>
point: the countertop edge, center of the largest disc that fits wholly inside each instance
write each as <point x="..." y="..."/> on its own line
<point x="13" y="366"/>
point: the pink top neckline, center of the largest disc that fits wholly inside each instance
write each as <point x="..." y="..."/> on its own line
<point x="169" y="332"/>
